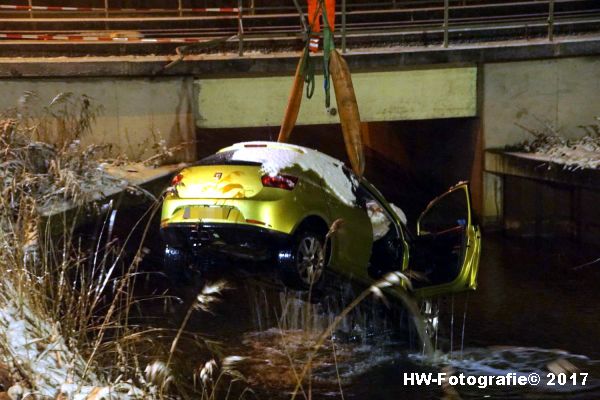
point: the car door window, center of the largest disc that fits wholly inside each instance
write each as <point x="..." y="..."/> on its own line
<point x="451" y="213"/>
<point x="381" y="222"/>
<point x="438" y="252"/>
<point x="387" y="251"/>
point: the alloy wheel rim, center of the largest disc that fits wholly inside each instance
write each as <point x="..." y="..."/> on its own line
<point x="310" y="259"/>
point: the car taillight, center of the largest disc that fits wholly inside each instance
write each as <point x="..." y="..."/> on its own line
<point x="286" y="182"/>
<point x="176" y="180"/>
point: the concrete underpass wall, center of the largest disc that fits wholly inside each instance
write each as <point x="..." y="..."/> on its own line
<point x="412" y="162"/>
<point x="562" y="92"/>
<point x="136" y="112"/>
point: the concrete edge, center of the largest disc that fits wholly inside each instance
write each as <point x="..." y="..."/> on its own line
<point x="285" y="63"/>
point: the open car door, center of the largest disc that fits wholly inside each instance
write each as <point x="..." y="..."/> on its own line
<point x="445" y="253"/>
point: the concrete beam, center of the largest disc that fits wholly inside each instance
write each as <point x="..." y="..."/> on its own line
<point x="218" y="65"/>
<point x="382" y="96"/>
<point x="562" y="93"/>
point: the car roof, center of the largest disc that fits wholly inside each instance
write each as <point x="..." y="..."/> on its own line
<point x="255" y="151"/>
<point x="275" y="156"/>
<point x="269" y="145"/>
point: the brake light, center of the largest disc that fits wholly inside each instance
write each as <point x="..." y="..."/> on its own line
<point x="255" y="221"/>
<point x="176" y="180"/>
<point x="286" y="182"/>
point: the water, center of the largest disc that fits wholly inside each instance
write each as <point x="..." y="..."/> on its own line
<point x="531" y="293"/>
<point x="534" y="311"/>
<point x="532" y="308"/>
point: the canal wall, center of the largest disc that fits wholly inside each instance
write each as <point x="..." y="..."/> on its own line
<point x="136" y="113"/>
<point x="563" y="93"/>
<point x="542" y="199"/>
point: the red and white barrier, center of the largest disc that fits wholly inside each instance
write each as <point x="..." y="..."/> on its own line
<point x="91" y="9"/>
<point x="46" y="8"/>
<point x="81" y="38"/>
<point x="215" y="10"/>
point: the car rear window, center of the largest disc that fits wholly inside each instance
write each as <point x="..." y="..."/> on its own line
<point x="224" y="158"/>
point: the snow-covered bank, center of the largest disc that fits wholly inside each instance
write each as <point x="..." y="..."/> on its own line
<point x="33" y="347"/>
<point x="580" y="153"/>
<point x="49" y="301"/>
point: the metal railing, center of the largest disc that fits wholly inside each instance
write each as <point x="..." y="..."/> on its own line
<point x="437" y="19"/>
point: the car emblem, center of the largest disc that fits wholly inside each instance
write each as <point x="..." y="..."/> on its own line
<point x="218" y="175"/>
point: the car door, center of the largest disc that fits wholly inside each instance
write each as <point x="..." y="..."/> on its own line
<point x="445" y="253"/>
<point x="353" y="238"/>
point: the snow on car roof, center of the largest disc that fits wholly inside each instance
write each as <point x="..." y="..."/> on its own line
<point x="275" y="156"/>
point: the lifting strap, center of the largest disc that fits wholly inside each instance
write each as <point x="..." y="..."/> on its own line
<point x="328" y="47"/>
<point x="316" y="7"/>
<point x="308" y="67"/>
<point x="308" y="72"/>
<point x="314" y="13"/>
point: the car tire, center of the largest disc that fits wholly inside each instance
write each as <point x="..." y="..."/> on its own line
<point x="302" y="262"/>
<point x="178" y="266"/>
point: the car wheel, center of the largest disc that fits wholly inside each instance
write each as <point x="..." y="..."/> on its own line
<point x="303" y="263"/>
<point x="177" y="264"/>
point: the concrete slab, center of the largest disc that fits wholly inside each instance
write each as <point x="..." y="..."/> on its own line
<point x="382" y="96"/>
<point x="539" y="167"/>
<point x="13" y="65"/>
<point x="150" y="180"/>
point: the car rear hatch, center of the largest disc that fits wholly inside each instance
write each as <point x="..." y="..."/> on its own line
<point x="224" y="188"/>
<point x="220" y="182"/>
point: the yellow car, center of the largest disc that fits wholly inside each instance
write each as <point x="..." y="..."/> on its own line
<point x="306" y="212"/>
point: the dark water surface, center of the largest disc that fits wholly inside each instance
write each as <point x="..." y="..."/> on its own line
<point x="537" y="293"/>
<point x="536" y="309"/>
<point x="535" y="304"/>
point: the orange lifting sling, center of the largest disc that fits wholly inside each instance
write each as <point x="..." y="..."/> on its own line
<point x="314" y="19"/>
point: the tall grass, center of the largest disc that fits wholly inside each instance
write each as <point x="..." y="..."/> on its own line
<point x="65" y="304"/>
<point x="52" y="289"/>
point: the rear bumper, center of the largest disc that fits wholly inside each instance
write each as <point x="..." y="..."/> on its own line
<point x="279" y="212"/>
<point x="240" y="241"/>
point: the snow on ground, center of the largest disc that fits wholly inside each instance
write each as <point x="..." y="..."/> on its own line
<point x="573" y="154"/>
<point x="573" y="157"/>
<point x="35" y="348"/>
<point x="275" y="157"/>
